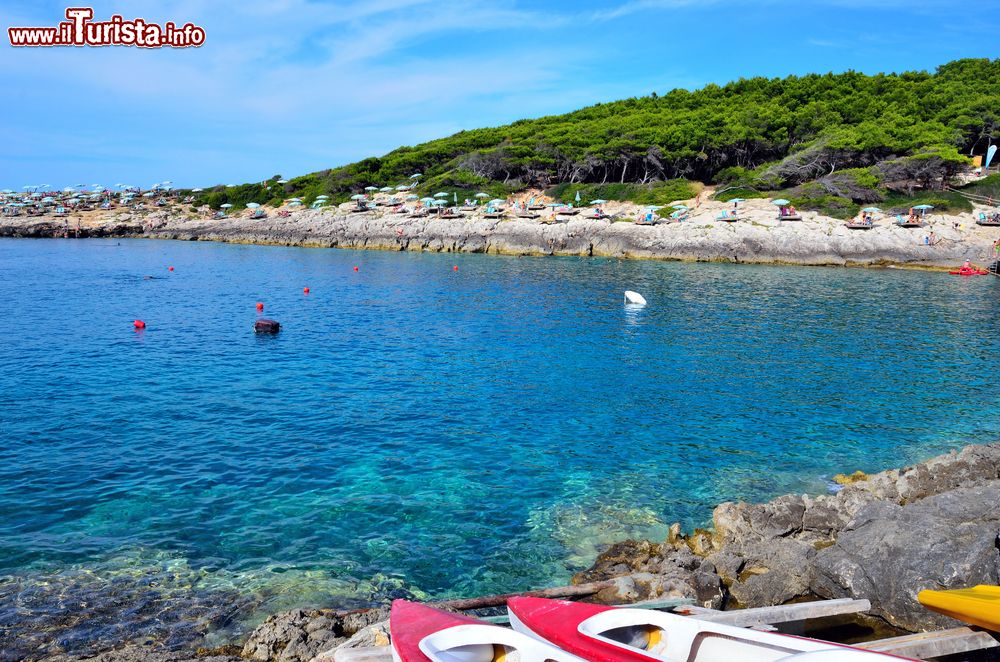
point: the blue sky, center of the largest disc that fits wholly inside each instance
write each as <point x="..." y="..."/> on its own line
<point x="294" y="86"/>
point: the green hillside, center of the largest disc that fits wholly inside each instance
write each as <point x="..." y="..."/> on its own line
<point x="825" y="140"/>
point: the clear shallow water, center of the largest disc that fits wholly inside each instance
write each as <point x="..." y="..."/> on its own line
<point x="416" y="429"/>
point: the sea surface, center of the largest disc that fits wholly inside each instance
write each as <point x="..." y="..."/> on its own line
<point x="420" y="430"/>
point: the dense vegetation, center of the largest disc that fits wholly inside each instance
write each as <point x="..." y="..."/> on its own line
<point x="828" y="141"/>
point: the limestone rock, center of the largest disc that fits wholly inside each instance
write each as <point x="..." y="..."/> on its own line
<point x="889" y="552"/>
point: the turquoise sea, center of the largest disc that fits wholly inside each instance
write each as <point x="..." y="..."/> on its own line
<point x="419" y="430"/>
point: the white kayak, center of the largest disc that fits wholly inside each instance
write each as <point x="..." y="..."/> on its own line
<point x="424" y="634"/>
<point x="598" y="633"/>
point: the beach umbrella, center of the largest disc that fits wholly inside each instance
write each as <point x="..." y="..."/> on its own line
<point x="413" y="196"/>
<point x="924" y="207"/>
<point x="371" y="188"/>
<point x="402" y="187"/>
<point x="598" y="202"/>
<point x="426" y="199"/>
<point x="322" y="197"/>
<point x="386" y="189"/>
<point x="577" y="198"/>
<point x="679" y="207"/>
<point x="294" y="200"/>
<point x="439" y="202"/>
<point x="226" y="206"/>
<point x="48" y="200"/>
<point x="781" y="202"/>
<point x="482" y="195"/>
<point x="282" y="181"/>
<point x="553" y="204"/>
<point x="416" y="175"/>
<point x="654" y="207"/>
<point x="871" y="210"/>
<point x="441" y="194"/>
<point x="497" y="201"/>
<point x="737" y="201"/>
<point x="197" y="190"/>
<point x="252" y="205"/>
<point x="358" y="196"/>
<point x="295" y="203"/>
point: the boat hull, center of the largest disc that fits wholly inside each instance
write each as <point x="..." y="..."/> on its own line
<point x="607" y="634"/>
<point x="979" y="605"/>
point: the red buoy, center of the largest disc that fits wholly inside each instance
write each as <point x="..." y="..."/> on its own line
<point x="455" y="268"/>
<point x="305" y="290"/>
<point x="170" y="268"/>
<point x="355" y="268"/>
<point x="139" y="324"/>
<point x="260" y="306"/>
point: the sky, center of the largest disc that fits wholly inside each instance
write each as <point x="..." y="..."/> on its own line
<point x="293" y="86"/>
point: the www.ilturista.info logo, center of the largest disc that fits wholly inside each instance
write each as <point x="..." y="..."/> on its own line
<point x="80" y="30"/>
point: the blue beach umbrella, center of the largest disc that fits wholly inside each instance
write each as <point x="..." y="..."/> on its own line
<point x="439" y="202"/>
<point x="441" y="194"/>
<point x="386" y="189"/>
<point x="497" y="201"/>
<point x="295" y="203"/>
<point x="416" y="175"/>
<point x="402" y="187"/>
<point x="226" y="205"/>
<point x="357" y="196"/>
<point x="252" y="205"/>
<point x="599" y="201"/>
<point x="427" y="200"/>
<point x="781" y="202"/>
<point x="413" y="196"/>
<point x="871" y="210"/>
<point x="577" y="196"/>
<point x="924" y="207"/>
<point x="737" y="201"/>
<point x="371" y="188"/>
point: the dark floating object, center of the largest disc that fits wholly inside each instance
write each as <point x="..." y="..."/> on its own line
<point x="266" y="326"/>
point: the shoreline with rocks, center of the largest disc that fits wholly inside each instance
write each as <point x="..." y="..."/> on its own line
<point x="881" y="537"/>
<point x="759" y="237"/>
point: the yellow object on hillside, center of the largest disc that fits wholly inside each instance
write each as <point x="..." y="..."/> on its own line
<point x="979" y="605"/>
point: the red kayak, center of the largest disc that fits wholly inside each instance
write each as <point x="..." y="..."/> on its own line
<point x="610" y="634"/>
<point x="969" y="272"/>
<point x="423" y="634"/>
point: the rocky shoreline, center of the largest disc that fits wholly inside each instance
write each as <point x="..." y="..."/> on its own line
<point x="882" y="537"/>
<point x="760" y="238"/>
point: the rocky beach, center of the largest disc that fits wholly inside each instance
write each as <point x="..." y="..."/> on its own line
<point x="881" y="537"/>
<point x="759" y="237"/>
